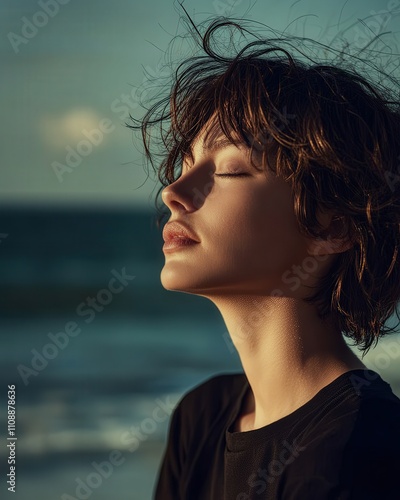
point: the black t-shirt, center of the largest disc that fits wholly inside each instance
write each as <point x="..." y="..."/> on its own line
<point x="343" y="444"/>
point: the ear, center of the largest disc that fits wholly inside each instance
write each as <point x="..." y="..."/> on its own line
<point x="334" y="239"/>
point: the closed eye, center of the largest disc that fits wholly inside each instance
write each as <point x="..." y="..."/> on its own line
<point x="232" y="174"/>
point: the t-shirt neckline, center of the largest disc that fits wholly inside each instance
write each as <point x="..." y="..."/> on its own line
<point x="238" y="439"/>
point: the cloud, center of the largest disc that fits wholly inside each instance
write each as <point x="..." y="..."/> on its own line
<point x="60" y="131"/>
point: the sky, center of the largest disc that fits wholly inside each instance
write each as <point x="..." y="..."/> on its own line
<point x="71" y="71"/>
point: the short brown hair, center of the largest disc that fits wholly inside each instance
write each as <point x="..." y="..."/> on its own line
<point x="328" y="131"/>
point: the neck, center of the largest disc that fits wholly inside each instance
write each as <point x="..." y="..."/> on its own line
<point x="288" y="353"/>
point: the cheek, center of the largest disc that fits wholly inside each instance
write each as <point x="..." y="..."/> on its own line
<point x="256" y="227"/>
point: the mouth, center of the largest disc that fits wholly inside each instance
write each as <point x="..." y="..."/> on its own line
<point x="178" y="243"/>
<point x="178" y="236"/>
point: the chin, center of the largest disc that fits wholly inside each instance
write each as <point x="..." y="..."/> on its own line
<point x="172" y="280"/>
<point x="180" y="281"/>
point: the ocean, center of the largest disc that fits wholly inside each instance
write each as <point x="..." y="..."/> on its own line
<point x="96" y="385"/>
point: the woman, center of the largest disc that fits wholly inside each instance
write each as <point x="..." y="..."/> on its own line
<point x="281" y="182"/>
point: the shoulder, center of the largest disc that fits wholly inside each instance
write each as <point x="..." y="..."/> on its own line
<point x="379" y="408"/>
<point x="356" y="419"/>
<point x="371" y="459"/>
<point x="353" y="451"/>
<point x="376" y="429"/>
<point x="367" y="416"/>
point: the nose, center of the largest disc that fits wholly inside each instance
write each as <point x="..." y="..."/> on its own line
<point x="189" y="192"/>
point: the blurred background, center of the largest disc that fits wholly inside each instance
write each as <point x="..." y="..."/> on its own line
<point x="98" y="351"/>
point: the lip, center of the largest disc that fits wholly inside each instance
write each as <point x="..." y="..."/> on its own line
<point x="177" y="235"/>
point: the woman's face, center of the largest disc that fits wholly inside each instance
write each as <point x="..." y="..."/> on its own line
<point x="245" y="223"/>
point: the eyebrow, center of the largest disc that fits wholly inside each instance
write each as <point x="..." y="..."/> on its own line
<point x="211" y="146"/>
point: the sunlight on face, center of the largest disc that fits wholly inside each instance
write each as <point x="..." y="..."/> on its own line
<point x="243" y="218"/>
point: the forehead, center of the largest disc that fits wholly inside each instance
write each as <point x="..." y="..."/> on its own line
<point x="212" y="138"/>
